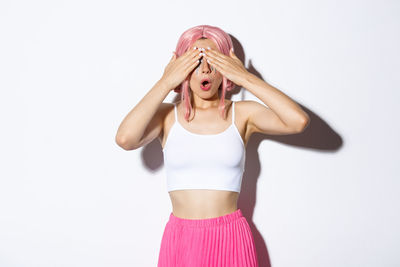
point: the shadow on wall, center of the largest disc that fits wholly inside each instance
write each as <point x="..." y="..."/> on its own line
<point x="318" y="135"/>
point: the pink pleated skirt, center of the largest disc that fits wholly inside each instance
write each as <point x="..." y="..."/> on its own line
<point x="221" y="241"/>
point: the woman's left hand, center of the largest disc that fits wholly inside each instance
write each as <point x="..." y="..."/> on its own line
<point x="230" y="66"/>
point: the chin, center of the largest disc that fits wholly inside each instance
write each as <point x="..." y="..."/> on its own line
<point x="206" y="94"/>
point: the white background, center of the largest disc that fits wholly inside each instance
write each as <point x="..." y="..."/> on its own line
<point x="71" y="70"/>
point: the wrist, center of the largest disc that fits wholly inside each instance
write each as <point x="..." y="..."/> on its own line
<point x="163" y="85"/>
<point x="248" y="79"/>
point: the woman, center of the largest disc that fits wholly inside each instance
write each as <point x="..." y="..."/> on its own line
<point x="203" y="139"/>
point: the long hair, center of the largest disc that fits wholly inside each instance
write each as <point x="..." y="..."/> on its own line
<point x="186" y="40"/>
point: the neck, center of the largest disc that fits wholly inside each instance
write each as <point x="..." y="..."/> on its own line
<point x="201" y="103"/>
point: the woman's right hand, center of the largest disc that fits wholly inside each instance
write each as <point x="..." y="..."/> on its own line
<point x="179" y="68"/>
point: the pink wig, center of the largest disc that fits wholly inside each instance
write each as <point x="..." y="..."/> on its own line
<point x="187" y="39"/>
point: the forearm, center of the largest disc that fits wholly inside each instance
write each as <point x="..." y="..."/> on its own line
<point x="135" y="122"/>
<point x="287" y="110"/>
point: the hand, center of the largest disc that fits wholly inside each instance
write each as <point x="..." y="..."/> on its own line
<point x="178" y="69"/>
<point x="230" y="66"/>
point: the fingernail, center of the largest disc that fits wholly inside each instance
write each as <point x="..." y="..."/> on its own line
<point x="208" y="48"/>
<point x="194" y="48"/>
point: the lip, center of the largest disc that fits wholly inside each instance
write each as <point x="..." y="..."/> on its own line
<point x="208" y="86"/>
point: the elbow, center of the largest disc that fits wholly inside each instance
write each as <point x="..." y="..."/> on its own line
<point x="123" y="142"/>
<point x="303" y="124"/>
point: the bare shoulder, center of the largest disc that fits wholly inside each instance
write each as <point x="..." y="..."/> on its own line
<point x="155" y="127"/>
<point x="165" y="110"/>
<point x="245" y="108"/>
<point x="162" y="112"/>
<point x="166" y="122"/>
<point x="242" y="109"/>
<point x="165" y="107"/>
<point x="262" y="119"/>
<point x="248" y="105"/>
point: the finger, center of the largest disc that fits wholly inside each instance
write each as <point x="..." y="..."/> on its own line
<point x="193" y="55"/>
<point x="195" y="60"/>
<point x="214" y="52"/>
<point x="216" y="64"/>
<point x="190" y="52"/>
<point x="214" y="58"/>
<point x="219" y="57"/>
<point x="193" y="65"/>
<point x="187" y="54"/>
<point x="232" y="53"/>
<point x="197" y="52"/>
<point x="215" y="55"/>
<point x="173" y="56"/>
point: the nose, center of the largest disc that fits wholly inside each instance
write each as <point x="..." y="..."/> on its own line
<point x="205" y="67"/>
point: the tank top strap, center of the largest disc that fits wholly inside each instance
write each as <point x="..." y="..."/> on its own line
<point x="175" y="111"/>
<point x="233" y="112"/>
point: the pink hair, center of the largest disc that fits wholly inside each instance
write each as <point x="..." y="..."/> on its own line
<point x="187" y="39"/>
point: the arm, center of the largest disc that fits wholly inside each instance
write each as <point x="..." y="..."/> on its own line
<point x="282" y="116"/>
<point x="144" y="122"/>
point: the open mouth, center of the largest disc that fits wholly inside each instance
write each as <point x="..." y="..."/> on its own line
<point x="205" y="84"/>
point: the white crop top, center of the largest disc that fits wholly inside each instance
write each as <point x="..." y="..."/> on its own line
<point x="204" y="161"/>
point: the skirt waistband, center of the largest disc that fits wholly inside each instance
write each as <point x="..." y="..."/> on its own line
<point x="224" y="219"/>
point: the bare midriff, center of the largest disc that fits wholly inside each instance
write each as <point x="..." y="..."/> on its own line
<point x="203" y="203"/>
